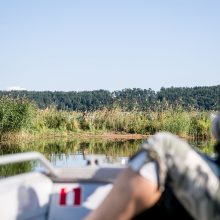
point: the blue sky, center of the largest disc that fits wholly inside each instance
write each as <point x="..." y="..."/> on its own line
<point x="71" y="45"/>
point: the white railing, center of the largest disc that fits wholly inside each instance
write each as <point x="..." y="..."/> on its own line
<point x="28" y="156"/>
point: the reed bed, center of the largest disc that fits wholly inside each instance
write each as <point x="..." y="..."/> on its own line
<point x="21" y="116"/>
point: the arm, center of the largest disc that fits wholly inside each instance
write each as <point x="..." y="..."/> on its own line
<point x="130" y="195"/>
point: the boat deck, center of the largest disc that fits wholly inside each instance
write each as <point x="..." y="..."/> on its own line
<point x="67" y="193"/>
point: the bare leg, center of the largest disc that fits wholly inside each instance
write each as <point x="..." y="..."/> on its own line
<point x="131" y="194"/>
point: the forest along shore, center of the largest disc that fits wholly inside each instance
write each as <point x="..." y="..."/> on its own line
<point x="22" y="120"/>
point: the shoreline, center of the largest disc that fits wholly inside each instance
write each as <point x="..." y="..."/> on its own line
<point x="24" y="137"/>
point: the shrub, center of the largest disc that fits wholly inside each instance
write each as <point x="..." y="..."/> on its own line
<point x="16" y="114"/>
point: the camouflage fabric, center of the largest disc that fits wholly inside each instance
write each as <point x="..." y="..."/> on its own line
<point x="194" y="181"/>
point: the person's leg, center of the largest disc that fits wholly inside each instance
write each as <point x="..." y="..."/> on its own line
<point x="130" y="195"/>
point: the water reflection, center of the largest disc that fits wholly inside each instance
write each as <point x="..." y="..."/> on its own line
<point x="64" y="153"/>
<point x="205" y="146"/>
<point x="69" y="153"/>
<point x="68" y="160"/>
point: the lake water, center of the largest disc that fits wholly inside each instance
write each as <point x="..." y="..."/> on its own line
<point x="70" y="153"/>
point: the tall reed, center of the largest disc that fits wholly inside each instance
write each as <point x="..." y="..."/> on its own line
<point x="20" y="114"/>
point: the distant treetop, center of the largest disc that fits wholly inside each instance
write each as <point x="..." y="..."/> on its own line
<point x="202" y="98"/>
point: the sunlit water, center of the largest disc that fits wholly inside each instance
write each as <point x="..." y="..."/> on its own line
<point x="74" y="153"/>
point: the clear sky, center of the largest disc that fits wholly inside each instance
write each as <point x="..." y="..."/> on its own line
<point x="76" y="45"/>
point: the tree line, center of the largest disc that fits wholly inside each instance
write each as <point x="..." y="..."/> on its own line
<point x="200" y="98"/>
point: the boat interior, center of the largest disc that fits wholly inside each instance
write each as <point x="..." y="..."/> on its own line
<point x="61" y="193"/>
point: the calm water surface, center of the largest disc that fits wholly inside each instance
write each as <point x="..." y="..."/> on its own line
<point x="72" y="153"/>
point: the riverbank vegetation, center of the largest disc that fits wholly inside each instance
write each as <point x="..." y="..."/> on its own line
<point x="20" y="117"/>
